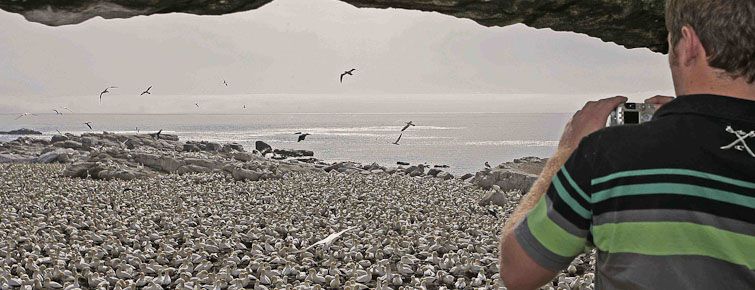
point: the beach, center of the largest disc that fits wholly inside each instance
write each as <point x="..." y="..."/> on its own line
<point x="120" y="211"/>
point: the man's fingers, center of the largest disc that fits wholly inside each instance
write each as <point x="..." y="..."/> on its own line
<point x="609" y="104"/>
<point x="659" y="100"/>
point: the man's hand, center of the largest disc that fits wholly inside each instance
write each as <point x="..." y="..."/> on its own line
<point x="659" y="100"/>
<point x="592" y="117"/>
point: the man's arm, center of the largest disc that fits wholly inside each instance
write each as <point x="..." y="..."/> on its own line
<point x="537" y="190"/>
<point x="518" y="269"/>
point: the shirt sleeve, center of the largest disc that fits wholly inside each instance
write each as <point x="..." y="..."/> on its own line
<point x="555" y="231"/>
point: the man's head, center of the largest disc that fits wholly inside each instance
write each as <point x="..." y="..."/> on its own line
<point x="711" y="41"/>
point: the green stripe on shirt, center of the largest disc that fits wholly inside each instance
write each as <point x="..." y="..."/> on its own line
<point x="673" y="171"/>
<point x="552" y="236"/>
<point x="566" y="197"/>
<point x="574" y="184"/>
<point x="675" y="238"/>
<point x="674" y="188"/>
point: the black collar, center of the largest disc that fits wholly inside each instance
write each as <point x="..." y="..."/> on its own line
<point x="710" y="105"/>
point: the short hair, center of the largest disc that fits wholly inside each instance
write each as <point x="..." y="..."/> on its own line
<point x="726" y="29"/>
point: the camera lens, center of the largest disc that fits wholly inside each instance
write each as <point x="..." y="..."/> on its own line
<point x="631" y="106"/>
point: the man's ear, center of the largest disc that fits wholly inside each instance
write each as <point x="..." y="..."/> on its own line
<point x="690" y="49"/>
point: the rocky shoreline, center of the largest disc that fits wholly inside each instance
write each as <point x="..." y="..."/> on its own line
<point x="126" y="157"/>
<point x="109" y="211"/>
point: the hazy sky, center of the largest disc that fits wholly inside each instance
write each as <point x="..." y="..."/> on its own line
<point x="407" y="61"/>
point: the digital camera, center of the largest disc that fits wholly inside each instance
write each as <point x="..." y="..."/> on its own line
<point x="631" y="113"/>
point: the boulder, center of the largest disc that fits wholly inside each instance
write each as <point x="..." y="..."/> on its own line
<point x="84" y="170"/>
<point x="262" y="147"/>
<point x="130" y="143"/>
<point x="12" y="158"/>
<point x="243" y="156"/>
<point x="58" y="155"/>
<point x="444" y="175"/>
<point x="78" y="169"/>
<point x="58" y="138"/>
<point x="207" y="163"/>
<point x="190" y="147"/>
<point x="212" y="146"/>
<point x="231" y="147"/>
<point x="160" y="163"/>
<point x="71" y="144"/>
<point x="289" y="153"/>
<point x="240" y="174"/>
<point x="122" y="174"/>
<point x="466" y="176"/>
<point x="191" y="168"/>
<point x="519" y="175"/>
<point x="494" y="196"/>
<point x="433" y="172"/>
<point x="88" y="142"/>
<point x="507" y="179"/>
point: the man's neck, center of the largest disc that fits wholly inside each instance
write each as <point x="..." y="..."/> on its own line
<point x="724" y="86"/>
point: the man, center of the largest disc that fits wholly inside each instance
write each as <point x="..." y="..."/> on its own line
<point x="668" y="204"/>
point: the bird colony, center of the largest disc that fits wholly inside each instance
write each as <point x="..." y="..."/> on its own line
<point x="313" y="230"/>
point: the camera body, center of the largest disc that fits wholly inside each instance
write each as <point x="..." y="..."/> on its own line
<point x="631" y="113"/>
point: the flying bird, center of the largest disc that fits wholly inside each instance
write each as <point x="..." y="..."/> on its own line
<point x="57" y="113"/>
<point x="147" y="91"/>
<point x="407" y="125"/>
<point x="297" y="133"/>
<point x="348" y="72"/>
<point x="328" y="240"/>
<point x="24" y="115"/>
<point x="137" y="130"/>
<point x="66" y="108"/>
<point x="196" y="104"/>
<point x="58" y="131"/>
<point x="244" y="106"/>
<point x="302" y="136"/>
<point x="105" y="92"/>
<point x="225" y="83"/>
<point x="399" y="138"/>
<point x="89" y="124"/>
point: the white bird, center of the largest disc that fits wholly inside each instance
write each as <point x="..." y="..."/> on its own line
<point x="89" y="124"/>
<point x="196" y="104"/>
<point x="66" y="108"/>
<point x="57" y="113"/>
<point x="225" y="83"/>
<point x="24" y="115"/>
<point x="487" y="165"/>
<point x="328" y="240"/>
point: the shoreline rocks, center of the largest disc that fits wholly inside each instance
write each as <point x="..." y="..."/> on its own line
<point x="22" y="131"/>
<point x="113" y="156"/>
<point x="518" y="175"/>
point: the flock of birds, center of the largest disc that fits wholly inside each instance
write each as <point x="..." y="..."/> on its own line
<point x="202" y="232"/>
<point x="147" y="92"/>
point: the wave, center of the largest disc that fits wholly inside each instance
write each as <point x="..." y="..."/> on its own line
<point x="525" y="143"/>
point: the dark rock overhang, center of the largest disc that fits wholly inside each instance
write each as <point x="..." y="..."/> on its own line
<point x="631" y="23"/>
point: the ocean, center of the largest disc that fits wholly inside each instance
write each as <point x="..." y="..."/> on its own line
<point x="463" y="141"/>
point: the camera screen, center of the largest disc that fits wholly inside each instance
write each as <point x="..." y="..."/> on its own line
<point x="631" y="117"/>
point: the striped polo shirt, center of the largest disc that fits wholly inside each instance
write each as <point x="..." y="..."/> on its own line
<point x="668" y="204"/>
